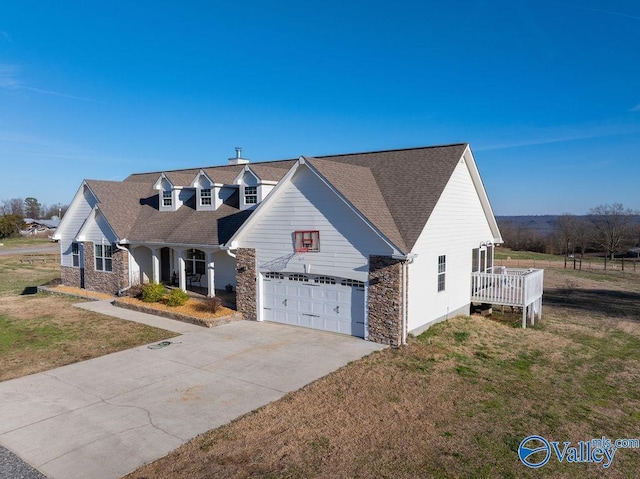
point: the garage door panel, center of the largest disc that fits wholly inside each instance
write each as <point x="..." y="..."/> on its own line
<point x="315" y="302"/>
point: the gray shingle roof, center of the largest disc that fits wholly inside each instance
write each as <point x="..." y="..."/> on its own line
<point x="395" y="190"/>
<point x="410" y="180"/>
<point x="358" y="185"/>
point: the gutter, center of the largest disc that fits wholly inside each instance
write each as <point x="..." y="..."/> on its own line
<point x="227" y="249"/>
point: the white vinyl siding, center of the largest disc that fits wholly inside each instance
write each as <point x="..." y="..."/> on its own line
<point x="74" y="218"/>
<point x="456" y="226"/>
<point x="97" y="230"/>
<point x="306" y="203"/>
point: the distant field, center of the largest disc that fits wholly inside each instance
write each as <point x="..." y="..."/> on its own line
<point x="503" y="254"/>
<point x="9" y="243"/>
<point x="528" y="259"/>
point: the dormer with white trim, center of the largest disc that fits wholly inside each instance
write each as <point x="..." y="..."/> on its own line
<point x="205" y="191"/>
<point x="209" y="194"/>
<point x="252" y="189"/>
<point x="167" y="196"/>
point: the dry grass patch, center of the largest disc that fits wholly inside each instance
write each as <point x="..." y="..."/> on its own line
<point x="41" y="332"/>
<point x="83" y="293"/>
<point x="456" y="402"/>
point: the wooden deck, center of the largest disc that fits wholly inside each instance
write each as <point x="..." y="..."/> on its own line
<point x="510" y="287"/>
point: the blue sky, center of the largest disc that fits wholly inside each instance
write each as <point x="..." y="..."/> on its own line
<point x="546" y="92"/>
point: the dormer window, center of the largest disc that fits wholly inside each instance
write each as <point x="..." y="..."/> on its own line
<point x="205" y="196"/>
<point x="167" y="198"/>
<point x="250" y="195"/>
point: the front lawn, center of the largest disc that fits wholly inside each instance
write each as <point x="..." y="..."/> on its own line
<point x="41" y="332"/>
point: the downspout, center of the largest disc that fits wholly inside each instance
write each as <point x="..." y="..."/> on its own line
<point x="405" y="260"/>
<point x="404" y="303"/>
<point x="121" y="291"/>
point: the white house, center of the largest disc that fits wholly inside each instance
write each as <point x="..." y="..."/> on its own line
<point x="376" y="245"/>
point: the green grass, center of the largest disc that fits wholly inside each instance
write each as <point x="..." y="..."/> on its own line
<point x="35" y="334"/>
<point x="503" y="254"/>
<point x="22" y="242"/>
<point x="39" y="332"/>
<point x="17" y="277"/>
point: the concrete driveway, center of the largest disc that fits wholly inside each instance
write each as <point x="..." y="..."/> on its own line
<point x="105" y="417"/>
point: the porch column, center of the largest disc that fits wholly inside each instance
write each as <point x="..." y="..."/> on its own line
<point x="211" y="287"/>
<point x="155" y="265"/>
<point x="182" y="273"/>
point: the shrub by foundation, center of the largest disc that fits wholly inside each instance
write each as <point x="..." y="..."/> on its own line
<point x="176" y="297"/>
<point x="152" y="292"/>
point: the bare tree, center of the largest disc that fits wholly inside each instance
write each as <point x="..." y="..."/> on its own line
<point x="54" y="210"/>
<point x="566" y="228"/>
<point x="612" y="224"/>
<point x="583" y="234"/>
<point x="14" y="206"/>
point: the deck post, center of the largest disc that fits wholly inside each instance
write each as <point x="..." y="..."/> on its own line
<point x="532" y="313"/>
<point x="540" y="317"/>
<point x="524" y="317"/>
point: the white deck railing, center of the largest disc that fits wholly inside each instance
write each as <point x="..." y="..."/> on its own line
<point x="509" y="287"/>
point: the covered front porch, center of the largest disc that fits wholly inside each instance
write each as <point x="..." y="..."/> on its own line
<point x="204" y="270"/>
<point x="514" y="287"/>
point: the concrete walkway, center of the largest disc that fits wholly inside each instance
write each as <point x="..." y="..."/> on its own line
<point x="106" y="307"/>
<point x="105" y="417"/>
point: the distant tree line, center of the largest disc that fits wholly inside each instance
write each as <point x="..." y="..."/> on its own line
<point x="13" y="212"/>
<point x="610" y="229"/>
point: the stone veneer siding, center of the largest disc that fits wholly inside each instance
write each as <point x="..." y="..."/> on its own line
<point x="247" y="283"/>
<point x="109" y="282"/>
<point x="385" y="300"/>
<point x="70" y="276"/>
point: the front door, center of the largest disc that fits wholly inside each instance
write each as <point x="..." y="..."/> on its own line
<point x="165" y="265"/>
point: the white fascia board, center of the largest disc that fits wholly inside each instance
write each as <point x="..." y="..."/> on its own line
<point x="92" y="218"/>
<point x="482" y="194"/>
<point x="267" y="182"/>
<point x="175" y="246"/>
<point x="158" y="184"/>
<point x="232" y="243"/>
<point x="194" y="183"/>
<point x="74" y="202"/>
<point x="366" y="221"/>
<point x="247" y="169"/>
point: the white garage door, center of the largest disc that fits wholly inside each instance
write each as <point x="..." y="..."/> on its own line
<point x="319" y="302"/>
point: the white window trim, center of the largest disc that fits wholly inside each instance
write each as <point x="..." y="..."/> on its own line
<point x="166" y="198"/>
<point x="204" y="197"/>
<point x="442" y="272"/>
<point x="103" y="257"/>
<point x="75" y="255"/>
<point x="253" y="195"/>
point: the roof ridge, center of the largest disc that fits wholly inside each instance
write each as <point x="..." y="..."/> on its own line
<point x="450" y="145"/>
<point x="269" y="162"/>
